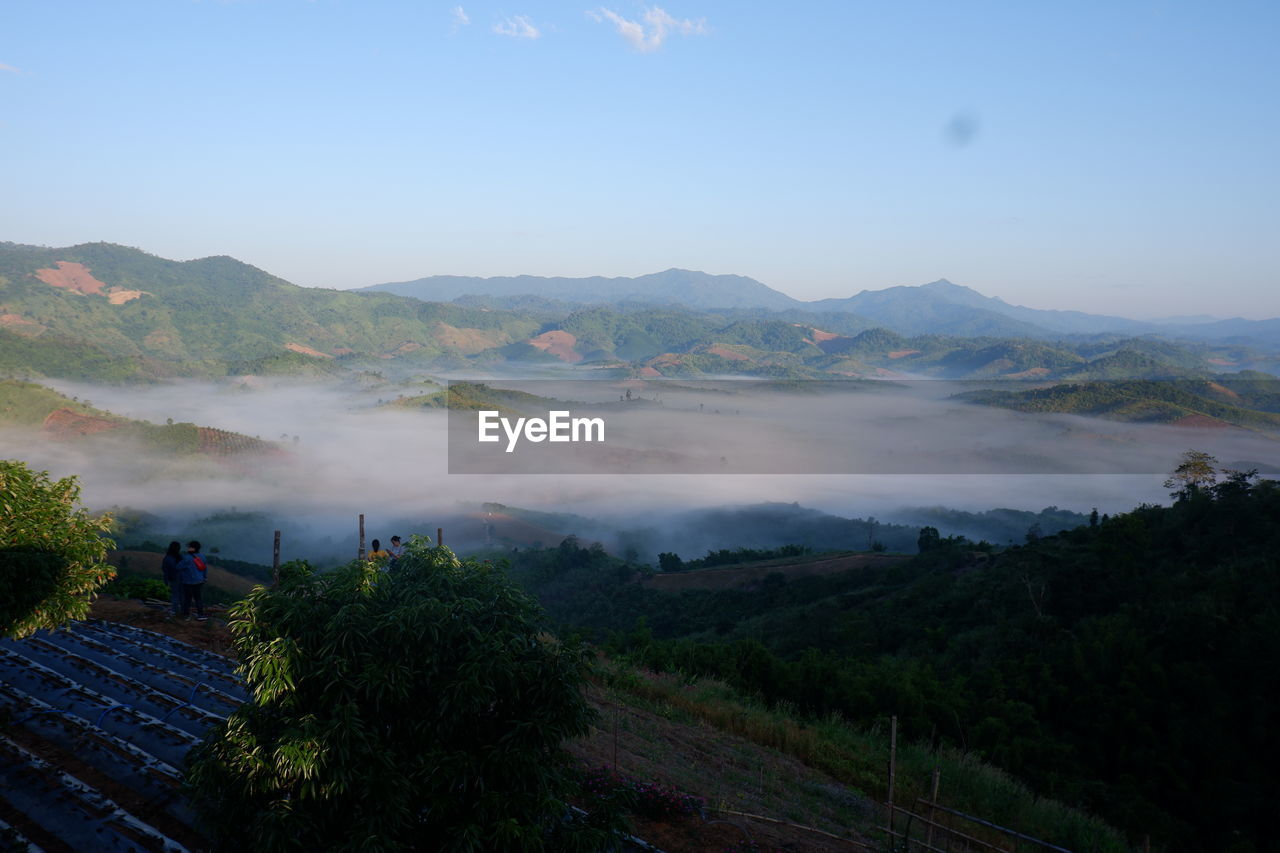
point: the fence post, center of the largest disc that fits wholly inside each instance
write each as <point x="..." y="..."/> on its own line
<point x="439" y="536"/>
<point x="893" y="761"/>
<point x="275" y="560"/>
<point x="933" y="798"/>
<point x="360" y="552"/>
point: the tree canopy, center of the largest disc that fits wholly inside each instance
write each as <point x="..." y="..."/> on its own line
<point x="416" y="708"/>
<point x="52" y="551"/>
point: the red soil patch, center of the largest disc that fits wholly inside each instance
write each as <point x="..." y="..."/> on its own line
<point x="72" y="276"/>
<point x="820" y="336"/>
<point x="119" y="296"/>
<point x="21" y="325"/>
<point x="1222" y="362"/>
<point x="559" y="343"/>
<point x="903" y="353"/>
<point x="65" y="423"/>
<point x="1031" y="373"/>
<point x="650" y="371"/>
<point x="725" y="352"/>
<point x="735" y="576"/>
<point x="1223" y="390"/>
<point x="306" y="350"/>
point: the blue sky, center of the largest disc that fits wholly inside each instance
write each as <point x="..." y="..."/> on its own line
<point x="1112" y="157"/>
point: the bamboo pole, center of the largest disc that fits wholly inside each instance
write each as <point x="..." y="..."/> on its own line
<point x="893" y="761"/>
<point x="275" y="560"/>
<point x="360" y="552"/>
<point x="933" y="798"/>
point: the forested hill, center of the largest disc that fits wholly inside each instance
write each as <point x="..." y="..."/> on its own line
<point x="101" y="310"/>
<point x="1128" y="667"/>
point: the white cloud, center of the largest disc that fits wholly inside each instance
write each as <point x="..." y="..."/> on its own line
<point x="9" y="68"/>
<point x="517" y="27"/>
<point x="460" y="18"/>
<point x="651" y="31"/>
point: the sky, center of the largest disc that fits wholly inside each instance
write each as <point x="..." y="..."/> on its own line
<point x="1112" y="157"/>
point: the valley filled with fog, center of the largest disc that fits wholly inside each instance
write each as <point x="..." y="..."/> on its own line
<point x="865" y="450"/>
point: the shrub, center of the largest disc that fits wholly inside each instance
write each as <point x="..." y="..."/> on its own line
<point x="52" y="551"/>
<point x="420" y="708"/>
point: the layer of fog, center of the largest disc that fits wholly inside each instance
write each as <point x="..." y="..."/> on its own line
<point x="352" y="457"/>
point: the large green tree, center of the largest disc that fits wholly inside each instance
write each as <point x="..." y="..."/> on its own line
<point x="52" y="551"/>
<point x="417" y="708"/>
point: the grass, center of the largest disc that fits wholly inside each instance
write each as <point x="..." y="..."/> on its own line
<point x="857" y="757"/>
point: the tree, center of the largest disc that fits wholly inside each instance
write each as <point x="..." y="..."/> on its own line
<point x="52" y="551"/>
<point x="1192" y="476"/>
<point x="420" y="708"/>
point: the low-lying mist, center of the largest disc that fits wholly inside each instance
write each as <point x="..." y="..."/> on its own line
<point x="351" y="456"/>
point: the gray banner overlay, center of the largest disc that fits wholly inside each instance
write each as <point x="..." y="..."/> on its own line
<point x="750" y="426"/>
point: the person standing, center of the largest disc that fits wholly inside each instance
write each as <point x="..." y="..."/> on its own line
<point x="395" y="549"/>
<point x="377" y="553"/>
<point x="194" y="570"/>
<point x="172" y="576"/>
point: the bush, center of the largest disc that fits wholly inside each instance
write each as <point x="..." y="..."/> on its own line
<point x="136" y="587"/>
<point x="420" y="708"/>
<point x="52" y="552"/>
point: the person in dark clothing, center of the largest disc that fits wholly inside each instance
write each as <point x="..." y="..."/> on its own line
<point x="193" y="570"/>
<point x="172" y="577"/>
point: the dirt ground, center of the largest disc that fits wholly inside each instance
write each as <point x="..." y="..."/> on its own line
<point x="213" y="634"/>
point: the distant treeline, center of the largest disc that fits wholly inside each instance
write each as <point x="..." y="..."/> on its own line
<point x="1125" y="666"/>
<point x="671" y="562"/>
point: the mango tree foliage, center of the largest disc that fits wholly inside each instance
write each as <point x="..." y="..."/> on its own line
<point x="416" y="708"/>
<point x="52" y="551"/>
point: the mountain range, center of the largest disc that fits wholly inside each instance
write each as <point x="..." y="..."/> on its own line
<point x="103" y="311"/>
<point x="940" y="307"/>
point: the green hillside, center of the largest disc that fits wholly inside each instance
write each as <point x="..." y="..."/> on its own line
<point x="1122" y="666"/>
<point x="200" y="317"/>
<point x="108" y="312"/>
<point x="35" y="407"/>
<point x="1250" y="403"/>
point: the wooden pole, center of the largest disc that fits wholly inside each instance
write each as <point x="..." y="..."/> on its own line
<point x="933" y="798"/>
<point x="275" y="560"/>
<point x="893" y="762"/>
<point x="439" y="536"/>
<point x="360" y="553"/>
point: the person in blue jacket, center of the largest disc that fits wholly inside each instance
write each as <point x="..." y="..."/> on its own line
<point x="193" y="570"/>
<point x="169" y="567"/>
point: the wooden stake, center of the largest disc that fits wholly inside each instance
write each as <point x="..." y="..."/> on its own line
<point x="360" y="553"/>
<point x="275" y="560"/>
<point x="439" y="536"/>
<point x="893" y="762"/>
<point x="933" y="798"/>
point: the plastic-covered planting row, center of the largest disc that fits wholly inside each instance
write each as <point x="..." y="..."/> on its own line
<point x="16" y="840"/>
<point x="124" y="687"/>
<point x="159" y="642"/>
<point x="84" y="818"/>
<point x="115" y="758"/>
<point x="118" y="706"/>
<point x="161" y="651"/>
<point x="68" y="645"/>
